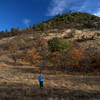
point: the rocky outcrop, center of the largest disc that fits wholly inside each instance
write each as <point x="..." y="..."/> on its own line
<point x="86" y="38"/>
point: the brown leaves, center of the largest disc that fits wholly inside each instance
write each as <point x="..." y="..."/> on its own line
<point x="32" y="55"/>
<point x="69" y="58"/>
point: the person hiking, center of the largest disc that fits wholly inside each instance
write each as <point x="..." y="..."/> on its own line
<point x="41" y="80"/>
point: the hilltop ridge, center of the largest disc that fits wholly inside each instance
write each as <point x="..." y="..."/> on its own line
<point x="77" y="20"/>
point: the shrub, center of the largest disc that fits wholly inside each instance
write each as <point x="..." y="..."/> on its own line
<point x="88" y="25"/>
<point x="6" y="45"/>
<point x="22" y="44"/>
<point x="14" y="31"/>
<point x="85" y="38"/>
<point x="57" y="44"/>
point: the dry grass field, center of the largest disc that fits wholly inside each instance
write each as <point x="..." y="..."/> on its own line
<point x="20" y="82"/>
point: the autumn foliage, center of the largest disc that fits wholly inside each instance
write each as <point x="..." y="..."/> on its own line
<point x="69" y="59"/>
<point x="74" y="58"/>
<point x="32" y="56"/>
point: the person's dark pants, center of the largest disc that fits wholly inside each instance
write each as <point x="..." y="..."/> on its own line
<point x="41" y="84"/>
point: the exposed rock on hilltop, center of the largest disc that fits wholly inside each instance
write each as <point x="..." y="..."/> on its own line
<point x="86" y="38"/>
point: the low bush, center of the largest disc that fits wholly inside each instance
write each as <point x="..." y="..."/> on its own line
<point x="57" y="44"/>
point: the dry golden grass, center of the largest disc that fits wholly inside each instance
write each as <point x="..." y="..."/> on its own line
<point x="20" y="82"/>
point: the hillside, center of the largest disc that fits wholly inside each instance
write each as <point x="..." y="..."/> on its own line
<point x="19" y="81"/>
<point x="77" y="20"/>
<point x="80" y="30"/>
<point x="66" y="49"/>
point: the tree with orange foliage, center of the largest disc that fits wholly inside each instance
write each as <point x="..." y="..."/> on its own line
<point x="54" y="58"/>
<point x="68" y="59"/>
<point x="92" y="57"/>
<point x="32" y="56"/>
<point x="37" y="54"/>
<point x="72" y="57"/>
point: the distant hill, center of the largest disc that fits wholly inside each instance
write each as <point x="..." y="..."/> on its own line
<point x="77" y="20"/>
<point x="70" y="20"/>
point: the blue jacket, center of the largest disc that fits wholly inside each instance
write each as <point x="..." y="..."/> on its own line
<point x="41" y="78"/>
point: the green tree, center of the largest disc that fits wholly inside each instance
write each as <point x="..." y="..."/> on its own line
<point x="14" y="31"/>
<point x="57" y="44"/>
